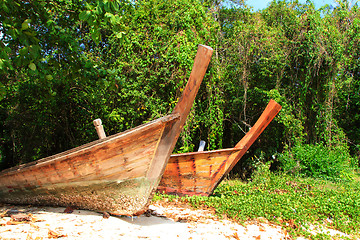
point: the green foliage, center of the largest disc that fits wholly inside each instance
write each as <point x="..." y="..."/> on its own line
<point x="317" y="161"/>
<point x="294" y="203"/>
<point x="300" y="57"/>
<point x="64" y="63"/>
<point x="83" y="69"/>
<point x="159" y="197"/>
<point x="149" y="67"/>
<point x="104" y="15"/>
<point x="46" y="81"/>
<point x="293" y="126"/>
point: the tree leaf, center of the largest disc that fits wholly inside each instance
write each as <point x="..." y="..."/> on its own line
<point x="119" y="35"/>
<point x="32" y="66"/>
<point x="95" y="35"/>
<point x="25" y="24"/>
<point x="2" y="91"/>
<point x="107" y="6"/>
<point x="2" y="65"/>
<point x="115" y="6"/>
<point x="23" y="51"/>
<point x="109" y="15"/>
<point x="84" y="15"/>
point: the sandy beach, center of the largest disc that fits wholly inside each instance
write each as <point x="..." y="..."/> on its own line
<point x="160" y="222"/>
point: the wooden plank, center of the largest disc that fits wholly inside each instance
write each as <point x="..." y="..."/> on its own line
<point x="197" y="173"/>
<point x="271" y="110"/>
<point x="171" y="134"/>
<point x="84" y="148"/>
<point x="208" y="168"/>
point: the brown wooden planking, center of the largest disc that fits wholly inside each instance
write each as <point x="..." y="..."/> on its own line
<point x="210" y="166"/>
<point x="56" y="170"/>
<point x="60" y="190"/>
<point x="63" y="174"/>
<point x="183" y="107"/>
<point x="84" y="148"/>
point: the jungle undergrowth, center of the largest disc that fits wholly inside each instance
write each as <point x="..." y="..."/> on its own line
<point x="295" y="203"/>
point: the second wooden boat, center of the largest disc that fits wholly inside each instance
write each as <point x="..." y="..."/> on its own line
<point x="116" y="174"/>
<point x="199" y="173"/>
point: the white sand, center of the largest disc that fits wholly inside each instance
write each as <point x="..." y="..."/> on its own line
<point x="49" y="223"/>
<point x="166" y="221"/>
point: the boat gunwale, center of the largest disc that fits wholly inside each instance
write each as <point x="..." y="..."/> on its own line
<point x="269" y="113"/>
<point x="224" y="150"/>
<point x="50" y="159"/>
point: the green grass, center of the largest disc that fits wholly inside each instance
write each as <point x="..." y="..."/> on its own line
<point x="294" y="203"/>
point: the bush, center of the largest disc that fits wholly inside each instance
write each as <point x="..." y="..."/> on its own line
<point x="317" y="161"/>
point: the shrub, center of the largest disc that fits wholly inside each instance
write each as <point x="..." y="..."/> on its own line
<point x="317" y="161"/>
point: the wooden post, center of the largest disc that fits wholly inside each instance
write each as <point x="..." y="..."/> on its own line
<point x="201" y="146"/>
<point x="99" y="128"/>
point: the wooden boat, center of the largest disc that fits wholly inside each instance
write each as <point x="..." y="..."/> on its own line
<point x="199" y="173"/>
<point x="117" y="174"/>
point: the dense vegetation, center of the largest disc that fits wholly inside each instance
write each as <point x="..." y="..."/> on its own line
<point x="307" y="207"/>
<point x="64" y="63"/>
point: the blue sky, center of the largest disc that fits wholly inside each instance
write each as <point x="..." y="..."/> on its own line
<point x="261" y="4"/>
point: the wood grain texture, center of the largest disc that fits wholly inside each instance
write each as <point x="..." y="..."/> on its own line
<point x="107" y="166"/>
<point x="117" y="174"/>
<point x="199" y="173"/>
<point x="183" y="107"/>
<point x="195" y="173"/>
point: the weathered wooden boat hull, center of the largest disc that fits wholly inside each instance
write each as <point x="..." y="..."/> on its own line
<point x="196" y="173"/>
<point x="117" y="174"/>
<point x="199" y="173"/>
<point x="105" y="175"/>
